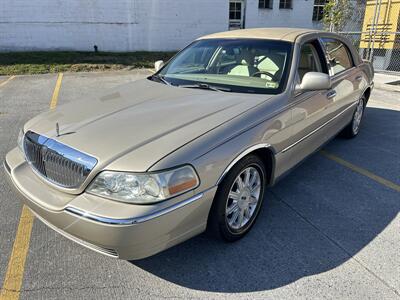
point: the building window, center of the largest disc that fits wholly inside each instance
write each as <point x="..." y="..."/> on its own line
<point x="285" y="4"/>
<point x="265" y="4"/>
<point x="318" y="10"/>
<point x="235" y="10"/>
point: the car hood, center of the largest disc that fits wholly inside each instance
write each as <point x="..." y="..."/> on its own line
<point x="135" y="125"/>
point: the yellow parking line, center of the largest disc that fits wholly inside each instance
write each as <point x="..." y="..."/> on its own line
<point x="362" y="171"/>
<point x="15" y="270"/>
<point x="16" y="265"/>
<point x="7" y="81"/>
<point x="54" y="99"/>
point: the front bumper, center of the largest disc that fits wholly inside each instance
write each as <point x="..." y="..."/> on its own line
<point x="116" y="229"/>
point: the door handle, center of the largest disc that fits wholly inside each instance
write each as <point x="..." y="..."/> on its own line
<point x="331" y="94"/>
<point x="359" y="78"/>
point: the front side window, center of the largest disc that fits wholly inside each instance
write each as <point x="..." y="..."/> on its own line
<point x="285" y="4"/>
<point x="309" y="60"/>
<point x="237" y="65"/>
<point x="338" y="54"/>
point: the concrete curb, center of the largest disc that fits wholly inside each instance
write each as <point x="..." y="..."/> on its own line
<point x="381" y="81"/>
<point x="387" y="87"/>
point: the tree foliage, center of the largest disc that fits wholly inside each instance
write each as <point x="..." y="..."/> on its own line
<point x="336" y="14"/>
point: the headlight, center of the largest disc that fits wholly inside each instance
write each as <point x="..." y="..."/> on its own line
<point x="21" y="140"/>
<point x="144" y="188"/>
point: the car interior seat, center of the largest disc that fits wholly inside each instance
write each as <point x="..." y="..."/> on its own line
<point x="245" y="66"/>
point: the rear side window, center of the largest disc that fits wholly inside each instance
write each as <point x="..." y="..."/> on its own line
<point x="338" y="54"/>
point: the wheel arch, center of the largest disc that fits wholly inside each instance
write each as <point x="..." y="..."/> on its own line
<point x="264" y="151"/>
<point x="367" y="93"/>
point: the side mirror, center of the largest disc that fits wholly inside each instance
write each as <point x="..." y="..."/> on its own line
<point x="158" y="65"/>
<point x="314" y="81"/>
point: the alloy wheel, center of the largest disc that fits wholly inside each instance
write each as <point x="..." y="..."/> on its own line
<point x="358" y="116"/>
<point x="243" y="198"/>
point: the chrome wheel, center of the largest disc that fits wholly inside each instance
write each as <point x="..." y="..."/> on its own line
<point x="358" y="116"/>
<point x="243" y="198"/>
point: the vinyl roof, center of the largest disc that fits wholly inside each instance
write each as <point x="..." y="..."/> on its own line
<point x="283" y="34"/>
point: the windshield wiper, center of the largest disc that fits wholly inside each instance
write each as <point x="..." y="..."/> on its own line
<point x="160" y="78"/>
<point x="204" y="86"/>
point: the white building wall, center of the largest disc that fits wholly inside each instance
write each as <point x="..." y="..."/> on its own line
<point x="300" y="16"/>
<point x="118" y="25"/>
<point x="129" y="25"/>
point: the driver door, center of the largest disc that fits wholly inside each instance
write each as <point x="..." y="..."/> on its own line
<point x="310" y="110"/>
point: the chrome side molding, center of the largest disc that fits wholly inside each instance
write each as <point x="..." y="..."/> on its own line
<point x="318" y="128"/>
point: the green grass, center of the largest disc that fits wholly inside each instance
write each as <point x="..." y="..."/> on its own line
<point x="18" y="63"/>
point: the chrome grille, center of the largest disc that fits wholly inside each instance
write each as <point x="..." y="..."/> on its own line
<point x="57" y="162"/>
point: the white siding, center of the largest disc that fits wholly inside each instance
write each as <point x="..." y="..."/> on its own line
<point x="119" y="25"/>
<point x="300" y="16"/>
<point x="129" y="25"/>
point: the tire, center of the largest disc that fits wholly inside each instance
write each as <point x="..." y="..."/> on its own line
<point x="353" y="128"/>
<point x="221" y="223"/>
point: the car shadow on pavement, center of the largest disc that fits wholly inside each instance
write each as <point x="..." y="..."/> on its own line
<point x="316" y="219"/>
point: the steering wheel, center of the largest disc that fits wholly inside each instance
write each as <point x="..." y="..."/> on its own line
<point x="272" y="76"/>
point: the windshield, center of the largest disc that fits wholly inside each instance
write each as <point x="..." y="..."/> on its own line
<point x="238" y="65"/>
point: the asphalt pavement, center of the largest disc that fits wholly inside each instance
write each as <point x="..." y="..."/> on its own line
<point x="330" y="229"/>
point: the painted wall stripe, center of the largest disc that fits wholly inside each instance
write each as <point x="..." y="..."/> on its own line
<point x="16" y="265"/>
<point x="361" y="171"/>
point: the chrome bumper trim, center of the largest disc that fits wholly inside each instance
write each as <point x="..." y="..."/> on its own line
<point x="105" y="251"/>
<point x="131" y="221"/>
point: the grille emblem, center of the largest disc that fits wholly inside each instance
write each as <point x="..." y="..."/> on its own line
<point x="57" y="129"/>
